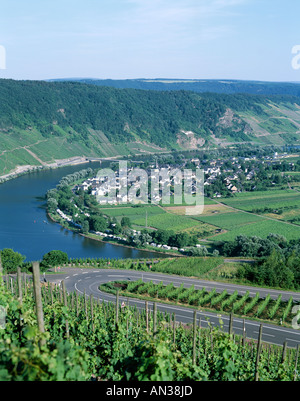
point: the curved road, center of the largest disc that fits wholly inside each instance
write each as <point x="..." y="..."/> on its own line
<point x="89" y="280"/>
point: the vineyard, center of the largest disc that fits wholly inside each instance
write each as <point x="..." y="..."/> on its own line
<point x="52" y="335"/>
<point x="265" y="309"/>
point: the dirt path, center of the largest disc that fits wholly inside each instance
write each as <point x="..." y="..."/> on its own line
<point x="25" y="148"/>
<point x="35" y="156"/>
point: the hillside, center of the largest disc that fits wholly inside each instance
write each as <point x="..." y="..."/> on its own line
<point x="41" y="122"/>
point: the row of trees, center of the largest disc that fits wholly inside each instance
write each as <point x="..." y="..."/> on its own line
<point x="11" y="260"/>
<point x="253" y="246"/>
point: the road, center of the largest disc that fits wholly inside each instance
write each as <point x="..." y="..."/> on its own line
<point x="88" y="281"/>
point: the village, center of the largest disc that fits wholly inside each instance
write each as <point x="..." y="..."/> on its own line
<point x="236" y="175"/>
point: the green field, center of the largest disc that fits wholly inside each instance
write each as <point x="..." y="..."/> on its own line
<point x="168" y="221"/>
<point x="249" y="201"/>
<point x="239" y="220"/>
<point x="157" y="218"/>
<point x="262" y="229"/>
<point x="235" y="221"/>
<point x="133" y="212"/>
<point x="230" y="221"/>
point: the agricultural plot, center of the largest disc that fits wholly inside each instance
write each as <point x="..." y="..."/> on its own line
<point x="9" y="160"/>
<point x="209" y="209"/>
<point x="262" y="229"/>
<point x="265" y="203"/>
<point x="168" y="221"/>
<point x="155" y="217"/>
<point x="275" y="199"/>
<point x="133" y="212"/>
<point x="230" y="221"/>
<point x="240" y="223"/>
<point x="267" y="309"/>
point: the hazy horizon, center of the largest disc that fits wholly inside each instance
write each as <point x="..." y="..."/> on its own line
<point x="247" y="40"/>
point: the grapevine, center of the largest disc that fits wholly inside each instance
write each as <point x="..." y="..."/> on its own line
<point x="85" y="339"/>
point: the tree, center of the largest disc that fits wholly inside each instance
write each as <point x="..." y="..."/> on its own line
<point x="179" y="240"/>
<point x="54" y="258"/>
<point x="52" y="204"/>
<point x="202" y="251"/>
<point x="162" y="236"/>
<point x="125" y="222"/>
<point x="11" y="260"/>
<point x="98" y="223"/>
<point x="116" y="228"/>
<point x="85" y="227"/>
<point x="275" y="272"/>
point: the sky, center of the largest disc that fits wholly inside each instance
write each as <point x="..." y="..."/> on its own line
<point x="127" y="39"/>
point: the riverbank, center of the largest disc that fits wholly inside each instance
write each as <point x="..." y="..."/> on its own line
<point x="21" y="170"/>
<point x="146" y="249"/>
<point x="112" y="242"/>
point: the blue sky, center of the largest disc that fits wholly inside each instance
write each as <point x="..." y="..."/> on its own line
<point x="119" y="39"/>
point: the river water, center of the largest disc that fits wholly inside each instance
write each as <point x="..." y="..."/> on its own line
<point x="25" y="227"/>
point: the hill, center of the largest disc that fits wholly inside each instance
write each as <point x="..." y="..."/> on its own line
<point x="41" y="122"/>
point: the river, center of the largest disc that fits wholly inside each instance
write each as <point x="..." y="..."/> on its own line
<point x="26" y="228"/>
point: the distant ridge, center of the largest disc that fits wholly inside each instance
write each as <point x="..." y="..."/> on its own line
<point x="225" y="86"/>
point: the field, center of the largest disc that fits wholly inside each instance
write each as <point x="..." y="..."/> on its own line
<point x="275" y="199"/>
<point x="232" y="220"/>
<point x="9" y="160"/>
<point x="252" y="213"/>
<point x="168" y="221"/>
<point x="262" y="229"/>
<point x="257" y="213"/>
<point x="159" y="218"/>
<point x="248" y="224"/>
<point x="133" y="212"/>
<point x="189" y="267"/>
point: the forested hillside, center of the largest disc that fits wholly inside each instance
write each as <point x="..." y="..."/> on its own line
<point x="41" y="121"/>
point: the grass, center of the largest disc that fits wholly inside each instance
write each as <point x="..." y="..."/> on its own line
<point x="189" y="267"/>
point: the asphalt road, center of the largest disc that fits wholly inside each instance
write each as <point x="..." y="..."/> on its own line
<point x="88" y="281"/>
